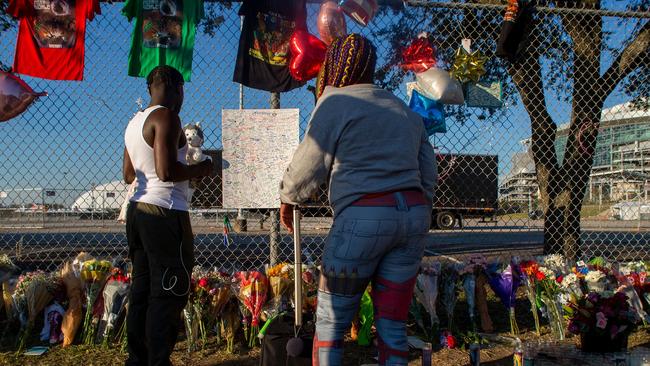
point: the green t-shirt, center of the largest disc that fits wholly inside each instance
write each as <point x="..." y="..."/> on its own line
<point x="163" y="34"/>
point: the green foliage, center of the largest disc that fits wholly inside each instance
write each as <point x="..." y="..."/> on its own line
<point x="213" y="18"/>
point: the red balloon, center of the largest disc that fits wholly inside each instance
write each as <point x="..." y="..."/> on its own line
<point x="419" y="56"/>
<point x="331" y="22"/>
<point x="15" y="96"/>
<point x="307" y="55"/>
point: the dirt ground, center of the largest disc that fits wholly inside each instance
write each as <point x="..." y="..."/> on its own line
<point x="214" y="354"/>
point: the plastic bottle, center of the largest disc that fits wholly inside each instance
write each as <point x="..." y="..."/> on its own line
<point x="426" y="354"/>
<point x="474" y="354"/>
<point x="518" y="356"/>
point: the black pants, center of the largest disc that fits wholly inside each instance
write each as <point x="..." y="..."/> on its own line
<point x="161" y="250"/>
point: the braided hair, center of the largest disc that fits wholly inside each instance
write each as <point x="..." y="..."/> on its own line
<point x="349" y="60"/>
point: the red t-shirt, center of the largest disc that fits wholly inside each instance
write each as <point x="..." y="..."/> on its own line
<point x="51" y="37"/>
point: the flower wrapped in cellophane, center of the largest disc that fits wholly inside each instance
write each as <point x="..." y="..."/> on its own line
<point x="474" y="265"/>
<point x="251" y="288"/>
<point x="115" y="293"/>
<point x="33" y="293"/>
<point x="449" y="290"/>
<point x="94" y="273"/>
<point x="504" y="281"/>
<point x="280" y="285"/>
<point x="426" y="293"/>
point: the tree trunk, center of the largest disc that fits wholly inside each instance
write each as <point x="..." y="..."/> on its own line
<point x="562" y="184"/>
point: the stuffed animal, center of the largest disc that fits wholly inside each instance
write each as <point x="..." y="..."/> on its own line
<point x="194" y="137"/>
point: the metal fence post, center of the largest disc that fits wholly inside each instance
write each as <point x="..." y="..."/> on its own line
<point x="274" y="237"/>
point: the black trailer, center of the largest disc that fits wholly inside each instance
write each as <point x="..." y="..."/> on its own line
<point x="467" y="188"/>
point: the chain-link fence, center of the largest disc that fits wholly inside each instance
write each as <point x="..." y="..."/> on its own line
<point x="511" y="177"/>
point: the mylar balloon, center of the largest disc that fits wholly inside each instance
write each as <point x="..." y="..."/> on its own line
<point x="331" y="22"/>
<point x="440" y="86"/>
<point x="362" y="11"/>
<point x="307" y="55"/>
<point x="419" y="56"/>
<point x="432" y="112"/>
<point x="15" y="96"/>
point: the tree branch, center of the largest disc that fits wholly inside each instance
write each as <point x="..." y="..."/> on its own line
<point x="632" y="57"/>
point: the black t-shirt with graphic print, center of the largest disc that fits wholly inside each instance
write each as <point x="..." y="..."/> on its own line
<point x="264" y="54"/>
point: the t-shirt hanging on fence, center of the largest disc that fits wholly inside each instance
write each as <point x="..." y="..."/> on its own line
<point x="51" y="37"/>
<point x="163" y="34"/>
<point x="263" y="56"/>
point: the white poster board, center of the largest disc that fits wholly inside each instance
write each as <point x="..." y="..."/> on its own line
<point x="258" y="145"/>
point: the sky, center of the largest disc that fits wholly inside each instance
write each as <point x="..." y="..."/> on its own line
<point x="73" y="138"/>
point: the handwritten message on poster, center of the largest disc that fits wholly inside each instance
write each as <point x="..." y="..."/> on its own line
<point x="258" y="144"/>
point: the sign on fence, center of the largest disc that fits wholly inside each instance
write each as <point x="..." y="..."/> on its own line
<point x="257" y="147"/>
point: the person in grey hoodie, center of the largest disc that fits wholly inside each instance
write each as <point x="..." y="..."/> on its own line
<point x="382" y="173"/>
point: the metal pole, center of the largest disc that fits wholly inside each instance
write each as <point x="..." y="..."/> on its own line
<point x="240" y="221"/>
<point x="297" y="270"/>
<point x="274" y="237"/>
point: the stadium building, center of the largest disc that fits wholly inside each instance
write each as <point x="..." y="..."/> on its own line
<point x="621" y="168"/>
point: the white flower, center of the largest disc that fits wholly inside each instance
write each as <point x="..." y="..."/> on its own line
<point x="569" y="281"/>
<point x="554" y="261"/>
<point x="594" y="276"/>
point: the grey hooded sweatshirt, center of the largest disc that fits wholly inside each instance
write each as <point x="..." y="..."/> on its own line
<point x="364" y="140"/>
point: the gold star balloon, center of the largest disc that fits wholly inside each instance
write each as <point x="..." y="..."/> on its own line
<point x="468" y="66"/>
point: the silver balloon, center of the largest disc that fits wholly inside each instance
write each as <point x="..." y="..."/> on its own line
<point x="15" y="96"/>
<point x="438" y="85"/>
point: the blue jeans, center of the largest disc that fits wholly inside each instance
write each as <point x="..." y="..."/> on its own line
<point x="379" y="244"/>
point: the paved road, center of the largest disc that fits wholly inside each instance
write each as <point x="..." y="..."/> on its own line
<point x="251" y="250"/>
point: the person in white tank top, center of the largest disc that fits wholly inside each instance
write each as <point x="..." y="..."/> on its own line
<point x="158" y="226"/>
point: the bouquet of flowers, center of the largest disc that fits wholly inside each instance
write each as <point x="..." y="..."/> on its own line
<point x="548" y="290"/>
<point x="529" y="270"/>
<point x="93" y="275"/>
<point x="449" y="295"/>
<point x="597" y="316"/>
<point x="115" y="292"/>
<point x="280" y="284"/>
<point x="426" y="291"/>
<point x="474" y="265"/>
<point x="251" y="288"/>
<point x="33" y="293"/>
<point x="220" y="295"/>
<point x="7" y="268"/>
<point x="504" y="281"/>
<point x="74" y="292"/>
<point x="310" y="277"/>
<point x="366" y="318"/>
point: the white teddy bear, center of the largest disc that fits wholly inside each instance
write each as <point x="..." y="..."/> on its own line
<point x="194" y="137"/>
<point x="195" y="155"/>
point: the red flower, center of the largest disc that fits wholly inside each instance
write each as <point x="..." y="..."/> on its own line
<point x="559" y="278"/>
<point x="203" y="282"/>
<point x="451" y="341"/>
<point x="539" y="275"/>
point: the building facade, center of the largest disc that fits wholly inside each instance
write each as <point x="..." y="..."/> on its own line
<point x="621" y="167"/>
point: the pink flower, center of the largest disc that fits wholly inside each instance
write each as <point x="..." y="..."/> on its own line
<point x="601" y="320"/>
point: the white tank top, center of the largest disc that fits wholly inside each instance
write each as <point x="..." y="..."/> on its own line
<point x="149" y="188"/>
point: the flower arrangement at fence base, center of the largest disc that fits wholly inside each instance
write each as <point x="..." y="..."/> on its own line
<point x="251" y="288"/>
<point x="603" y="323"/>
<point x="426" y="293"/>
<point x="93" y="275"/>
<point x="529" y="270"/>
<point x="114" y="294"/>
<point x="504" y="280"/>
<point x="73" y="315"/>
<point x="33" y="293"/>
